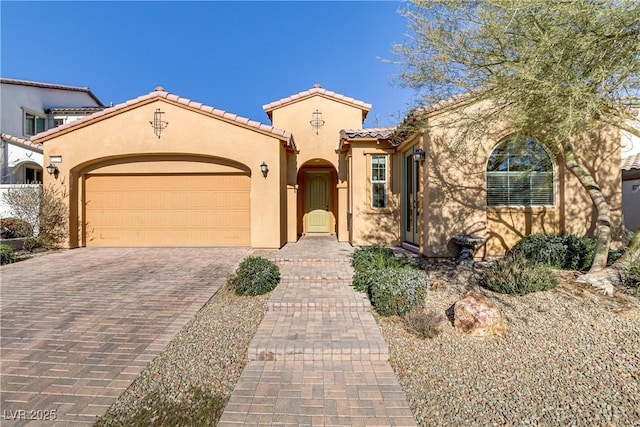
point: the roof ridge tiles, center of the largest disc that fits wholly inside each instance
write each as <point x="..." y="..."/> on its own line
<point x="316" y="90"/>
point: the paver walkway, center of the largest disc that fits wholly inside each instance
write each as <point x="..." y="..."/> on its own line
<point x="79" y="326"/>
<point x="318" y="357"/>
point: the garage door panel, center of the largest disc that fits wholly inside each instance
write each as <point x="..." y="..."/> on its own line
<point x="168" y="210"/>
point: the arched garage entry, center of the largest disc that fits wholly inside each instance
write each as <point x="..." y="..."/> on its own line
<point x="166" y="201"/>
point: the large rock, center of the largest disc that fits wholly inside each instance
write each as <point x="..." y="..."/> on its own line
<point x="477" y="316"/>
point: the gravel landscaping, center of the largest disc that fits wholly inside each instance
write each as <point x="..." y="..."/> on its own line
<point x="192" y="380"/>
<point x="570" y="356"/>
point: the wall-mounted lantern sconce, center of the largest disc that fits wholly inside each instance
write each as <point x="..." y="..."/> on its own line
<point x="316" y="121"/>
<point x="157" y="123"/>
<point x="418" y="155"/>
<point x="53" y="170"/>
<point x="264" y="169"/>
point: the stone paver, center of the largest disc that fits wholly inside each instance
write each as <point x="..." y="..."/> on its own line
<point x="77" y="327"/>
<point x="318" y="357"/>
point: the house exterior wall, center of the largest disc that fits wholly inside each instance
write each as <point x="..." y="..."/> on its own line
<point x="192" y="142"/>
<point x="369" y="226"/>
<point x="296" y="118"/>
<point x="315" y="151"/>
<point x="455" y="193"/>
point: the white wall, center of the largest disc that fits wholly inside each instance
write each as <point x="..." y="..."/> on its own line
<point x="17" y="158"/>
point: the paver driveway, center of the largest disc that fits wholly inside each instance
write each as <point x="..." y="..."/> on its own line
<point x="77" y="327"/>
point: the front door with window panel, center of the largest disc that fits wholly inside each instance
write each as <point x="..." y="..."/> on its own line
<point x="317" y="202"/>
<point x="410" y="185"/>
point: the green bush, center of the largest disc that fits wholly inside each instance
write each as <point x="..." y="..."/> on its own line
<point x="7" y="254"/>
<point x="566" y="252"/>
<point x="514" y="274"/>
<point x="580" y="252"/>
<point x="368" y="260"/>
<point x="548" y="249"/>
<point x="255" y="276"/>
<point x="631" y="273"/>
<point x="398" y="289"/>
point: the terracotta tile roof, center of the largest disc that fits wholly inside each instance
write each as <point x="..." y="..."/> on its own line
<point x="159" y="92"/>
<point x="375" y="133"/>
<point x="35" y="146"/>
<point x="317" y="89"/>
<point x="631" y="162"/>
<point x="52" y="86"/>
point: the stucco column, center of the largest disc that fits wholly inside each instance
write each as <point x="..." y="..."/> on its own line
<point x="292" y="213"/>
<point x="343" y="229"/>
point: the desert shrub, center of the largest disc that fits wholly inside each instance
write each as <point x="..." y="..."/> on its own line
<point x="45" y="212"/>
<point x="367" y="261"/>
<point x="631" y="273"/>
<point x="515" y="274"/>
<point x="7" y="254"/>
<point x="398" y="289"/>
<point x="567" y="252"/>
<point x="255" y="276"/>
<point x="426" y="323"/>
<point x="11" y="228"/>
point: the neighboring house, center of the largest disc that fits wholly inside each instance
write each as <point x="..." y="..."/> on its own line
<point x="631" y="191"/>
<point x="27" y="108"/>
<point x="167" y="171"/>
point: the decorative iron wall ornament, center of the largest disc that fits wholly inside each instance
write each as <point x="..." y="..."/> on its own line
<point x="316" y="121"/>
<point x="157" y="123"/>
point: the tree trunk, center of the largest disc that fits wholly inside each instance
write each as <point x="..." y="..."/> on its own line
<point x="603" y="224"/>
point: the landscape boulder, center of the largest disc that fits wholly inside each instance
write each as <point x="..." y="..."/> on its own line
<point x="477" y="316"/>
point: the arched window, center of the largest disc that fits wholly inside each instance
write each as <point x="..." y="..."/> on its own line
<point x="520" y="173"/>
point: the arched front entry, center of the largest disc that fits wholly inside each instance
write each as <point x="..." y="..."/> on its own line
<point x="317" y="198"/>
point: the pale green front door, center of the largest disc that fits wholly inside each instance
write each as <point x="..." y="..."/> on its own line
<point x="318" y="218"/>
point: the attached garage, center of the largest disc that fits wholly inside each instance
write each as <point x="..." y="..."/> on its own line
<point x="167" y="210"/>
<point x="205" y="178"/>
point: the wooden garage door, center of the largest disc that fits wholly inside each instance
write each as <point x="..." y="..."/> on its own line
<point x="167" y="210"/>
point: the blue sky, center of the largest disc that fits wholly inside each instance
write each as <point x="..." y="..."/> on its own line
<point x="235" y="56"/>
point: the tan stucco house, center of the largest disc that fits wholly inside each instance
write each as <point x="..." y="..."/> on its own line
<point x="161" y="170"/>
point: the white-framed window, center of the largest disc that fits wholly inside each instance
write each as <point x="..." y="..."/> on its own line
<point x="34" y="123"/>
<point x="520" y="172"/>
<point x="379" y="181"/>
